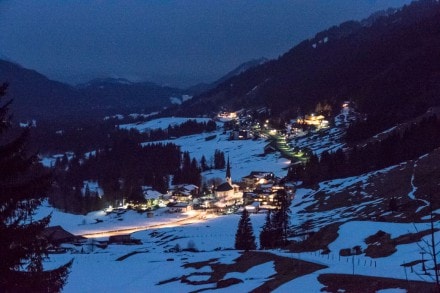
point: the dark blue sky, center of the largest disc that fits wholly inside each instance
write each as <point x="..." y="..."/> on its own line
<point x="170" y="42"/>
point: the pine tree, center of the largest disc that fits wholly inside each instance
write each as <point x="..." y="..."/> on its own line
<point x="244" y="238"/>
<point x="22" y="246"/>
<point x="219" y="159"/>
<point x="281" y="217"/>
<point x="203" y="164"/>
<point x="266" y="239"/>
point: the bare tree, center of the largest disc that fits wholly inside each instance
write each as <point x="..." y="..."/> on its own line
<point x="429" y="247"/>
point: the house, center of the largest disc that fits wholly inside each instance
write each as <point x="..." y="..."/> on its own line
<point x="266" y="196"/>
<point x="184" y="192"/>
<point x="150" y="194"/>
<point x="180" y="207"/>
<point x="226" y="116"/>
<point x="56" y="235"/>
<point x="123" y="239"/>
<point x="256" y="178"/>
<point x="313" y="120"/>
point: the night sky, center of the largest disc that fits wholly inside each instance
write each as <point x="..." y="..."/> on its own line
<point x="178" y="43"/>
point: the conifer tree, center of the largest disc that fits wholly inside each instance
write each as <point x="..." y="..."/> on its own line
<point x="244" y="238"/>
<point x="281" y="217"/>
<point x="22" y="245"/>
<point x="203" y="164"/>
<point x="266" y="239"/>
<point x="219" y="159"/>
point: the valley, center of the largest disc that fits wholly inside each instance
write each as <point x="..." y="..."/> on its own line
<point x="326" y="220"/>
<point x="316" y="171"/>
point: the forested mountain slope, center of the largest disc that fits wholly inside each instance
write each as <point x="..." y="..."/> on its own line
<point x="388" y="64"/>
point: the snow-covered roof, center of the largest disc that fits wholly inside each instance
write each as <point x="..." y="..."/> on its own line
<point x="224" y="187"/>
<point x="152" y="194"/>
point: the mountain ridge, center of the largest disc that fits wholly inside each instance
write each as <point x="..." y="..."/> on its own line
<point x="34" y="94"/>
<point x="387" y="61"/>
<point x="38" y="97"/>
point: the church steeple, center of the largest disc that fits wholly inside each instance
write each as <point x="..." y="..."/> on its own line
<point x="228" y="173"/>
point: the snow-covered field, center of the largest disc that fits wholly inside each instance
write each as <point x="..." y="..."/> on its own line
<point x="161" y="123"/>
<point x="149" y="263"/>
<point x="245" y="155"/>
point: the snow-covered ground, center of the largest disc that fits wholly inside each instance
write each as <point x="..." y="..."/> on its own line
<point x="244" y="155"/>
<point x="161" y="123"/>
<point x="149" y="263"/>
<point x="146" y="267"/>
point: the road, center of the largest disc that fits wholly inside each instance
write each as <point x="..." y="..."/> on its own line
<point x="198" y="216"/>
<point x="283" y="147"/>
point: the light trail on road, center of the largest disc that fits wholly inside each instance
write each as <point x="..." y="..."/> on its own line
<point x="197" y="218"/>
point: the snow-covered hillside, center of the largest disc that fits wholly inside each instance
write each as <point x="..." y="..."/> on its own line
<point x="245" y="155"/>
<point x="194" y="251"/>
<point x="161" y="123"/>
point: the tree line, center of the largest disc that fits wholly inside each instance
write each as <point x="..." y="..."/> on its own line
<point x="90" y="134"/>
<point x="121" y="170"/>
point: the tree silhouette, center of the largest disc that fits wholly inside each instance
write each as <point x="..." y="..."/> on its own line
<point x="244" y="238"/>
<point x="266" y="234"/>
<point x="22" y="245"/>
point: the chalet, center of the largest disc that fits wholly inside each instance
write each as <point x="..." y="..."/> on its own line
<point x="227" y="116"/>
<point x="266" y="196"/>
<point x="180" y="207"/>
<point x="56" y="235"/>
<point x="256" y="178"/>
<point x="184" y="192"/>
<point x="313" y="120"/>
<point x="123" y="239"/>
<point x="150" y="194"/>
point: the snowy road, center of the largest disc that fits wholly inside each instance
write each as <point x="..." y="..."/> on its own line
<point x="198" y="216"/>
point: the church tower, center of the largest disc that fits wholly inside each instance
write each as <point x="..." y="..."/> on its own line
<point x="228" y="173"/>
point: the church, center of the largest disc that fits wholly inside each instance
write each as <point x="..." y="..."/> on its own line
<point x="227" y="191"/>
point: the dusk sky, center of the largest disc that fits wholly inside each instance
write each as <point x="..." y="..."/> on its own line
<point x="178" y="43"/>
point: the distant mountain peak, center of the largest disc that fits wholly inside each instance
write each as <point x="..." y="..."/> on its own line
<point x="105" y="80"/>
<point x="200" y="88"/>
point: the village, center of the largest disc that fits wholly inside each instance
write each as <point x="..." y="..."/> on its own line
<point x="256" y="191"/>
<point x="259" y="191"/>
